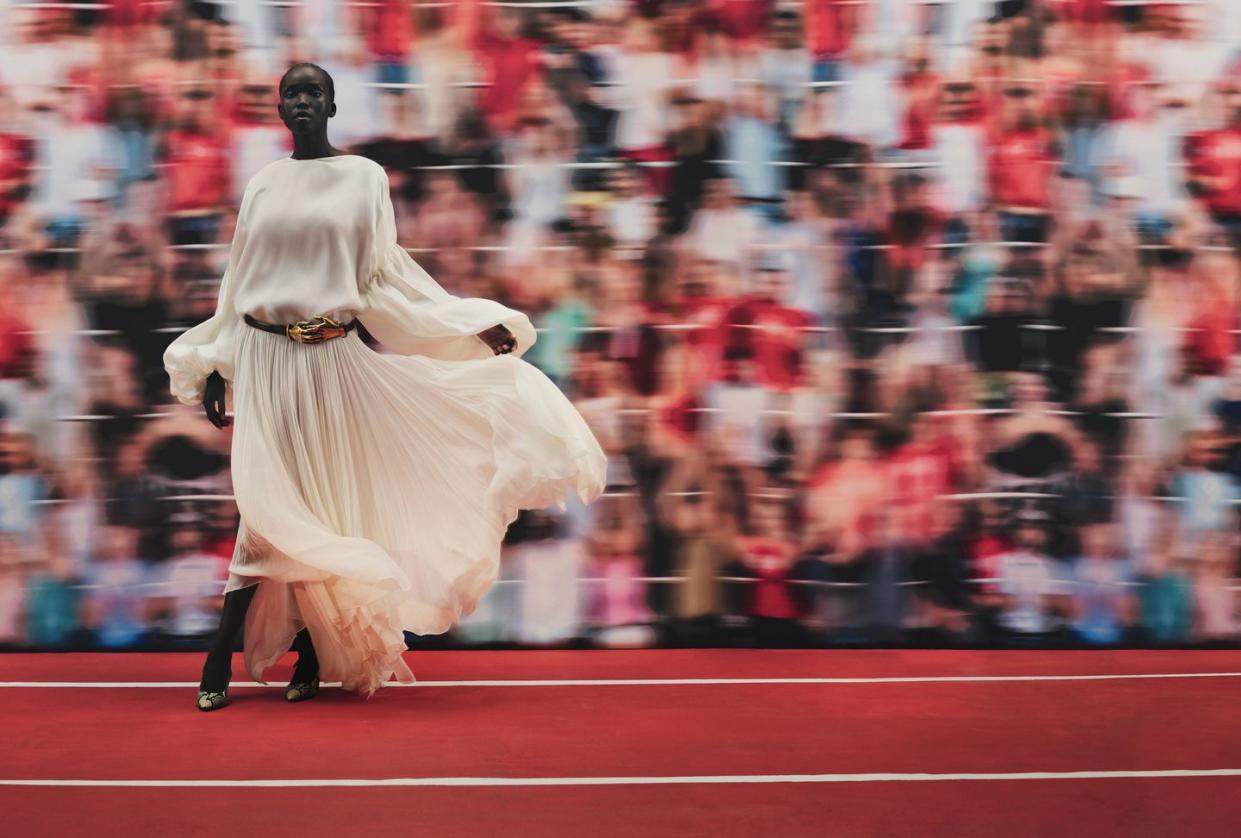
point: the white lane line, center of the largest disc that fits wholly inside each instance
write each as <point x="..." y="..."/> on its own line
<point x="651" y="682"/>
<point x="708" y="779"/>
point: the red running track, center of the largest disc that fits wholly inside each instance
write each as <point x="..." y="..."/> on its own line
<point x="745" y="732"/>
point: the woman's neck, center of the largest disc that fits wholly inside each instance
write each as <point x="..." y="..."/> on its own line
<point x="306" y="148"/>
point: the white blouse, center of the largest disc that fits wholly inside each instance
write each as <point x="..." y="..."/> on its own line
<point x="318" y="237"/>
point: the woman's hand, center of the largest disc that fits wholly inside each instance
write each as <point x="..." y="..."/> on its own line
<point x="213" y="401"/>
<point x="499" y="338"/>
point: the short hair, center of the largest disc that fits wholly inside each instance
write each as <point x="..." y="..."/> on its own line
<point x="331" y="86"/>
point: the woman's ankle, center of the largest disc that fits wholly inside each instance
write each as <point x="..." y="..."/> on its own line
<point x="216" y="673"/>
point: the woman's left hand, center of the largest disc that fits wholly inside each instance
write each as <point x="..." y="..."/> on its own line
<point x="499" y="338"/>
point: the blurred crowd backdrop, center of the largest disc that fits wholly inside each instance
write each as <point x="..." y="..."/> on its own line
<point x="903" y="322"/>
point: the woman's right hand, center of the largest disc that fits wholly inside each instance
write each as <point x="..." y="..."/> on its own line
<point x="213" y="401"/>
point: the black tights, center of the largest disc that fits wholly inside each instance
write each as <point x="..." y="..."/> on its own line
<point x="219" y="664"/>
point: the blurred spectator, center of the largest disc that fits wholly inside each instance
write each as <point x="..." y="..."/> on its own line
<point x="617" y="606"/>
<point x="198" y="170"/>
<point x="1215" y="595"/>
<point x="1033" y="587"/>
<point x="188" y="593"/>
<point x="115" y="606"/>
<point x="1103" y="604"/>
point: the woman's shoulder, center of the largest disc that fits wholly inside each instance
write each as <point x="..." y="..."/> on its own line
<point x="282" y="166"/>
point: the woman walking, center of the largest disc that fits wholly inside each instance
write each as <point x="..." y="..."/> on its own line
<point x="374" y="490"/>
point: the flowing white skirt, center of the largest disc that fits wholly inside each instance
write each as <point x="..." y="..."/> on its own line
<point x="375" y="490"/>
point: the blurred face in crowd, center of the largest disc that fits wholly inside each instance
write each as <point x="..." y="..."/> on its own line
<point x="992" y="37"/>
<point x="1142" y="100"/>
<point x="698" y="279"/>
<point x="194" y="108"/>
<point x="625" y="182"/>
<point x="186" y="539"/>
<point x="786" y="31"/>
<point x="1031" y="537"/>
<point x="769" y="518"/>
<point x="801" y="205"/>
<point x="751" y="101"/>
<point x="119" y="543"/>
<point x="306" y="101"/>
<point x="1099" y="541"/>
<point x="1217" y="555"/>
<point x="739" y="370"/>
<point x="958" y="100"/>
<point x="857" y="446"/>
<point x="639" y="36"/>
<point x="1021" y="106"/>
<point x="252" y="100"/>
<point x="16" y="452"/>
<point x="773" y="285"/>
<point x="719" y="195"/>
<point x="507" y="23"/>
<point x="1029" y="389"/>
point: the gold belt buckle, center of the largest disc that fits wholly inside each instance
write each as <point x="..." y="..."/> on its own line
<point x="315" y="330"/>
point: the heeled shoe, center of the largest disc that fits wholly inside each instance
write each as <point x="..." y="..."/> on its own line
<point x="301" y="691"/>
<point x="208" y="701"/>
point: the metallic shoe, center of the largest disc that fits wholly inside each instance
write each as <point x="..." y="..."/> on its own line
<point x="301" y="691"/>
<point x="208" y="701"/>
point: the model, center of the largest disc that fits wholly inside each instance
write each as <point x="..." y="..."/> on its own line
<point x="374" y="489"/>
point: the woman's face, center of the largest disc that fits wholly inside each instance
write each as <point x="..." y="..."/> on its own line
<point x="305" y="104"/>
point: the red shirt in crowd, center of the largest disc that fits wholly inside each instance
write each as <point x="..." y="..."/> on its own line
<point x="919" y="473"/>
<point x="778" y="341"/>
<point x="984" y="555"/>
<point x="1020" y="169"/>
<point x="126" y="13"/>
<point x="681" y="416"/>
<point x="922" y="98"/>
<point x="1216" y="155"/>
<point x="197" y="172"/>
<point x="508" y="64"/>
<point x="1209" y="338"/>
<point x="388" y="28"/>
<point x="827" y="27"/>
<point x="1083" y="11"/>
<point x="16" y="156"/>
<point x="770" y="560"/>
<point x="742" y="20"/>
<point x="15" y="344"/>
<point x="845" y="496"/>
<point x="222" y="547"/>
<point x="708" y="316"/>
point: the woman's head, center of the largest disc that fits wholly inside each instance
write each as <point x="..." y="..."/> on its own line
<point x="307" y="99"/>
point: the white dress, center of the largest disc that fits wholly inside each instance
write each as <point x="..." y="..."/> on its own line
<point x="374" y="490"/>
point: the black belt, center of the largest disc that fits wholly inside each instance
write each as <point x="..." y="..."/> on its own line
<point x="314" y="330"/>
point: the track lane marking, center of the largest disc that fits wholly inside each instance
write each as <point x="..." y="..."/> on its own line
<point x="650" y="682"/>
<point x="708" y="779"/>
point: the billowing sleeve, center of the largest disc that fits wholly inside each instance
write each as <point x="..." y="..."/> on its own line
<point x="407" y="311"/>
<point x="210" y="346"/>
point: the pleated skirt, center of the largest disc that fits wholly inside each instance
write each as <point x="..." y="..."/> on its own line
<point x="375" y="490"/>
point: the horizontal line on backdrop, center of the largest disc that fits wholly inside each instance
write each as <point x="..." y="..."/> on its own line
<point x="685" y="780"/>
<point x="656" y="682"/>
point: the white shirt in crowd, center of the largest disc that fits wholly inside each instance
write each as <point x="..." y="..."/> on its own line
<point x="959" y="148"/>
<point x="1030" y="579"/>
<point x="870" y="103"/>
<point x="190" y="581"/>
<point x="632" y="220"/>
<point x="737" y="419"/>
<point x="253" y="148"/>
<point x="645" y="79"/>
<point x="727" y="235"/>
<point x="1149" y="151"/>
<point x="68" y="155"/>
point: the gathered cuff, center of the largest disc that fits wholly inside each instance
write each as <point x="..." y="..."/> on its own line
<point x="405" y="309"/>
